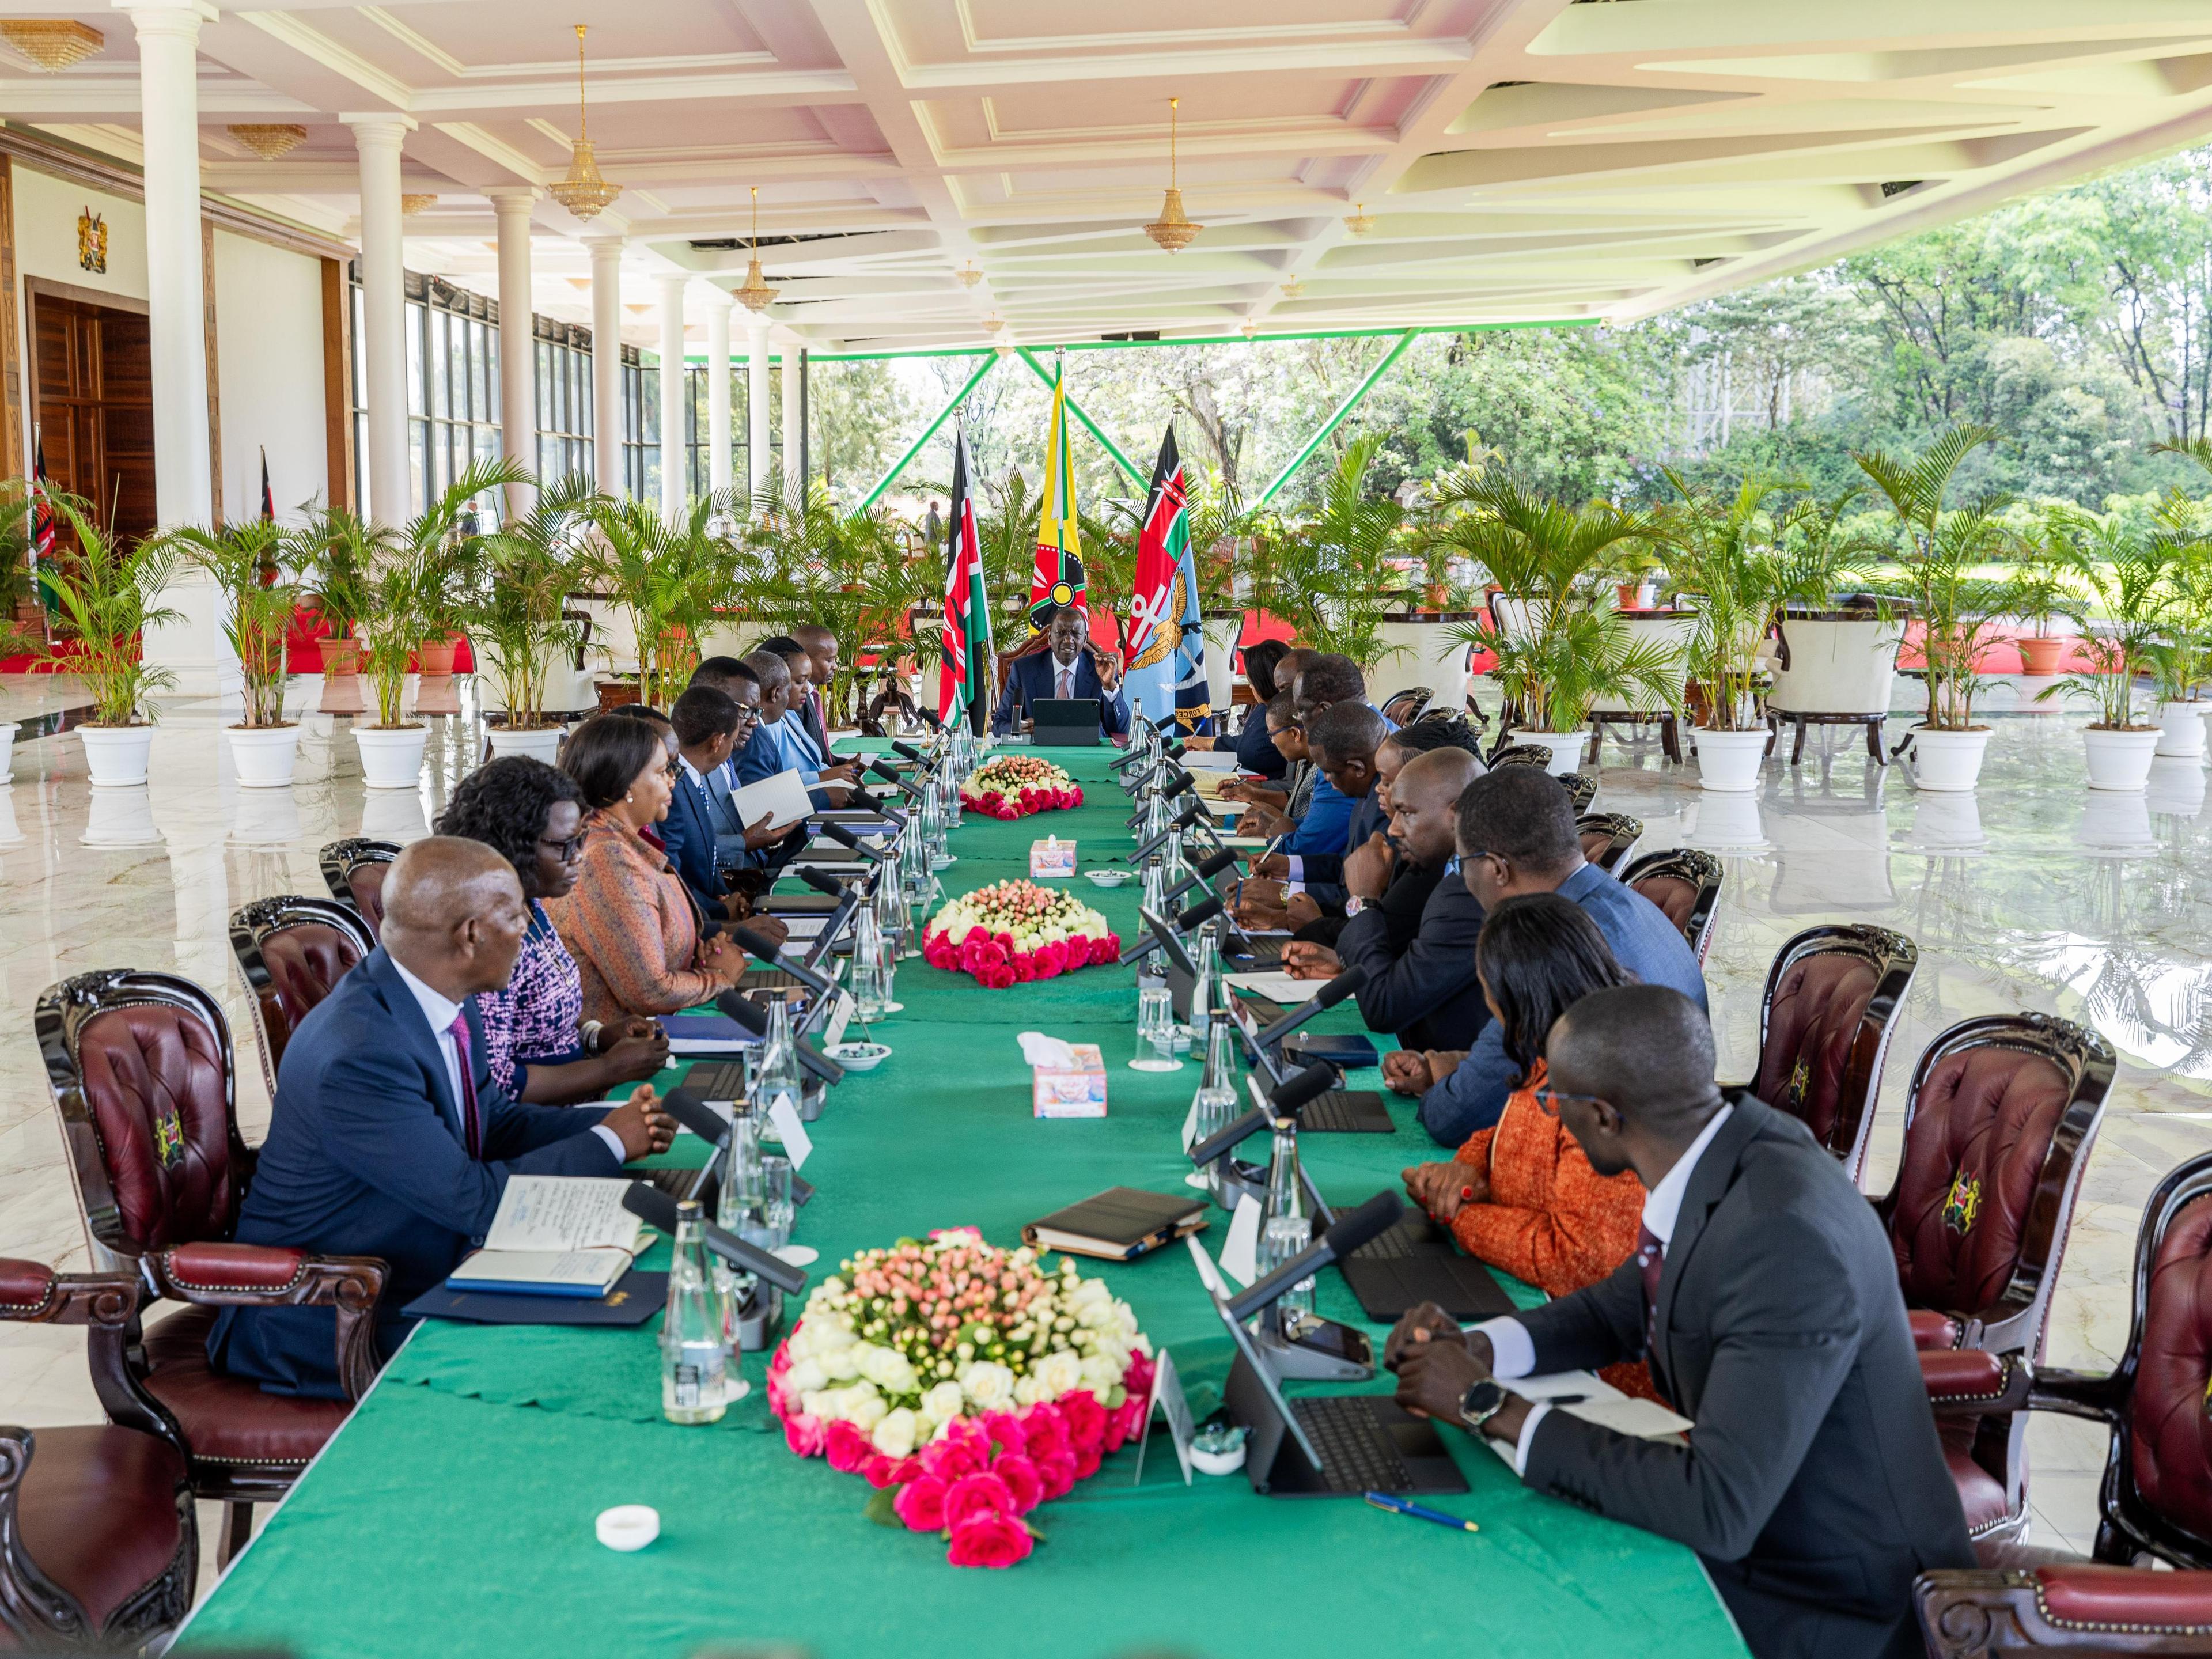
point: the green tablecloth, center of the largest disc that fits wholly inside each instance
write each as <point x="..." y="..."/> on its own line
<point x="454" y="1513"/>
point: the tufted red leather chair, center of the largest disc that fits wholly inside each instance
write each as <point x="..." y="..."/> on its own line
<point x="1608" y="838"/>
<point x="99" y="1539"/>
<point x="291" y="951"/>
<point x="353" y="869"/>
<point x="1581" y="787"/>
<point x="2067" y="1605"/>
<point x="1685" y="884"/>
<point x="1824" y="1030"/>
<point x="139" y="1066"/>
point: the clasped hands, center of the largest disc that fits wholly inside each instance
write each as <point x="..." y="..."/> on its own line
<point x="641" y="1123"/>
<point x="1416" y="1071"/>
<point x="1437" y="1363"/>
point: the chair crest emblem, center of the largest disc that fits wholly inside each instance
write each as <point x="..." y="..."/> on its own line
<point x="1963" y="1202"/>
<point x="168" y="1137"/>
<point x="1795" y="1094"/>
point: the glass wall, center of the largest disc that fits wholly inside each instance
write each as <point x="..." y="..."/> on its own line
<point x="564" y="398"/>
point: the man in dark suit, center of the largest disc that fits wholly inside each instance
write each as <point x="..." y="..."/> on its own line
<point x="1764" y="1297"/>
<point x="736" y="846"/>
<point x="1421" y="986"/>
<point x="781" y="744"/>
<point x="389" y="1138"/>
<point x="1516" y="835"/>
<point x="1069" y="666"/>
<point x="822" y="651"/>
<point x="708" y="725"/>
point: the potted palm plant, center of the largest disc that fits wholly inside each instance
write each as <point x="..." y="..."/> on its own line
<point x="1939" y="558"/>
<point x="513" y="606"/>
<point x="1725" y="559"/>
<point x="252" y="563"/>
<point x="2042" y="594"/>
<point x="2124" y="572"/>
<point x="669" y="580"/>
<point x="2182" y="660"/>
<point x="1562" y="645"/>
<point x="444" y="607"/>
<point x="107" y="596"/>
<point x="1334" y="574"/>
<point x="339" y="593"/>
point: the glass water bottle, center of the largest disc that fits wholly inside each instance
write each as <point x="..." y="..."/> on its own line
<point x="693" y="1368"/>
<point x="1286" y="1224"/>
<point x="779" y="1067"/>
<point x="1216" y="1099"/>
<point x="1205" y="963"/>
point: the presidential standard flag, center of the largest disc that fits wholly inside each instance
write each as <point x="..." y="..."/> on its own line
<point x="42" y="521"/>
<point x="1164" y="649"/>
<point x="1056" y="578"/>
<point x="964" y="679"/>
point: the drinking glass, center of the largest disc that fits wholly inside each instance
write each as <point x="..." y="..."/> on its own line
<point x="1155" y="1030"/>
<point x="778" y="1211"/>
<point x="1281" y="1241"/>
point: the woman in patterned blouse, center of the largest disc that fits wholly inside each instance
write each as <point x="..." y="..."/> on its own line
<point x="1520" y="1195"/>
<point x="534" y="1038"/>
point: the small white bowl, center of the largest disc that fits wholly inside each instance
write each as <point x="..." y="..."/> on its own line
<point x="859" y="1056"/>
<point x="628" y="1526"/>
<point x="1106" y="878"/>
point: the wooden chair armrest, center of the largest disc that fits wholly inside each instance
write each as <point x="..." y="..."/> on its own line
<point x="36" y="1294"/>
<point x="277" y="1276"/>
<point x="1975" y="1381"/>
<point x="1966" y="1614"/>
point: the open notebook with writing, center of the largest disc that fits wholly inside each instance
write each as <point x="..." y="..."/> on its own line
<point x="555" y="1236"/>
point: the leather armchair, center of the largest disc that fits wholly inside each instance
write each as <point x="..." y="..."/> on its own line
<point x="1685" y="884"/>
<point x="98" y="1538"/>
<point x="2084" y="1608"/>
<point x="1581" y="787"/>
<point x="140" y="1067"/>
<point x="1825" y="1027"/>
<point x="1608" y="838"/>
<point x="353" y="869"/>
<point x="290" y="950"/>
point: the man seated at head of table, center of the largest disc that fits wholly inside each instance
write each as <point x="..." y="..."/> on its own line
<point x="739" y="846"/>
<point x="1421" y="983"/>
<point x="388" y="1137"/>
<point x="1069" y="668"/>
<point x="1256" y="757"/>
<point x="779" y="743"/>
<point x="1763" y="1293"/>
<point x="1516" y="835"/>
<point x="641" y="945"/>
<point x="536" y="1043"/>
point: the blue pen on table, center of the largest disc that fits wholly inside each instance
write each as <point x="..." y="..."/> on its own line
<point x="1383" y="1500"/>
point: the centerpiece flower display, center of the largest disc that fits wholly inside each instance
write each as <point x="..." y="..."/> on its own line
<point x="967" y="1383"/>
<point x="1015" y="786"/>
<point x="1016" y="930"/>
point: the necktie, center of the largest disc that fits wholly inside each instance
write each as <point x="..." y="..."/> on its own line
<point x="1067" y="682"/>
<point x="1650" y="1261"/>
<point x="472" y="1126"/>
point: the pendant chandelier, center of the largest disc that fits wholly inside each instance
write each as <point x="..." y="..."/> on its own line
<point x="1173" y="230"/>
<point x="583" y="193"/>
<point x="1359" y="222"/>
<point x="269" y="142"/>
<point x="755" y="295"/>
<point x="52" y="45"/>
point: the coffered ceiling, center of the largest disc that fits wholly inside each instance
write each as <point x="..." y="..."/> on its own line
<point x="1521" y="160"/>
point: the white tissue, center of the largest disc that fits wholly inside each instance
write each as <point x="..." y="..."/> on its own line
<point x="1050" y="1053"/>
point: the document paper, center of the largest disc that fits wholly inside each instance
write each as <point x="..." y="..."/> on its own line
<point x="784" y="795"/>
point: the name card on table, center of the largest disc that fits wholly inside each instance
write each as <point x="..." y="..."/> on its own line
<point x="1240" y="1251"/>
<point x="1168" y="1401"/>
<point x="797" y="1143"/>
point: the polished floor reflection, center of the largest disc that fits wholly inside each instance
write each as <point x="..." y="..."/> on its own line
<point x="2031" y="894"/>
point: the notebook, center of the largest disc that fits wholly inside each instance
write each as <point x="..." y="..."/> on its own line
<point x="705" y="1034"/>
<point x="1119" y="1224"/>
<point x="633" y="1301"/>
<point x="555" y="1236"/>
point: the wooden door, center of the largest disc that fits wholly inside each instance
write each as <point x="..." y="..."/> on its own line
<point x="92" y="373"/>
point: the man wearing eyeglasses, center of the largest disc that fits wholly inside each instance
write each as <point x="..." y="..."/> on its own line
<point x="739" y="846"/>
<point x="710" y="725"/>
<point x="1763" y="1295"/>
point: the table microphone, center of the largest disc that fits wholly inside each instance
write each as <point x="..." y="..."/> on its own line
<point x="1290" y="1098"/>
<point x="1197" y="915"/>
<point x="1206" y="869"/>
<point x="1191" y="813"/>
<point x="657" y="1209"/>
<point x="754" y="1018"/>
<point x="1183" y="782"/>
<point x="911" y="753"/>
<point x="759" y="944"/>
<point x="877" y="803"/>
<point x="844" y="837"/>
<point x="1327" y="997"/>
<point x="821" y="881"/>
<point x="1372" y="1219"/>
<point x="889" y="776"/>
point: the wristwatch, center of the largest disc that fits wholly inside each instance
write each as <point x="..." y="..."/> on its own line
<point x="1481" y="1402"/>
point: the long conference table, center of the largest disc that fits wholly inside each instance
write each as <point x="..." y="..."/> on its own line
<point x="453" y="1513"/>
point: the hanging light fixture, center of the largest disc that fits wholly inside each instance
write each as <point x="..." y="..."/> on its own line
<point x="994" y="323"/>
<point x="755" y="295"/>
<point x="583" y="193"/>
<point x="969" y="275"/>
<point x="1173" y="230"/>
<point x="1359" y="222"/>
<point x="1293" y="288"/>
<point x="51" y="43"/>
<point x="410" y="205"/>
<point x="270" y="142"/>
<point x="1247" y="328"/>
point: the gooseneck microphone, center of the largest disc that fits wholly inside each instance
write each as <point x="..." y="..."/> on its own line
<point x="657" y="1209"/>
<point x="821" y="881"/>
<point x="1291" y="1097"/>
<point x="1197" y="915"/>
<point x="846" y="838"/>
<point x="889" y="774"/>
<point x="759" y="944"/>
<point x="870" y="802"/>
<point x="754" y="1018"/>
<point x="1376" y="1217"/>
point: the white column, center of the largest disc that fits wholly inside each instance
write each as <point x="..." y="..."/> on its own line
<point x="675" y="487"/>
<point x="194" y="647"/>
<point x="718" y="306"/>
<point x="384" y="312"/>
<point x="518" y="349"/>
<point x="757" y="404"/>
<point x="795" y="441"/>
<point x="606" y="360"/>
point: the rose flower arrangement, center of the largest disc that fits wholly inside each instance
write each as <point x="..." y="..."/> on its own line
<point x="967" y="1383"/>
<point x="1015" y="931"/>
<point x="1014" y="786"/>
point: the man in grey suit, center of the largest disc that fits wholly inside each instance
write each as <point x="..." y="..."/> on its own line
<point x="1764" y="1297"/>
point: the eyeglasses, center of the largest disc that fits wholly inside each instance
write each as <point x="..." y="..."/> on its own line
<point x="567" y="851"/>
<point x="1547" y="1099"/>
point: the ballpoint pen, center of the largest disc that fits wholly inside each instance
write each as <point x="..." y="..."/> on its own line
<point x="1383" y="1500"/>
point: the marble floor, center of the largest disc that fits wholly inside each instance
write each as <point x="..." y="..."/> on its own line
<point x="2031" y="894"/>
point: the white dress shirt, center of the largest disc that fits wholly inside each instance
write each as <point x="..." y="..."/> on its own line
<point x="440" y="1013"/>
<point x="1513" y="1354"/>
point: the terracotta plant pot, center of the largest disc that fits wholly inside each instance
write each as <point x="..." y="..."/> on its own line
<point x="436" y="659"/>
<point x="2039" y="658"/>
<point x="343" y="693"/>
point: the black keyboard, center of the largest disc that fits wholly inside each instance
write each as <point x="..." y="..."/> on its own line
<point x="1399" y="1243"/>
<point x="1346" y="1111"/>
<point x="717" y="1079"/>
<point x="1356" y="1452"/>
<point x="1262" y="954"/>
<point x="770" y="979"/>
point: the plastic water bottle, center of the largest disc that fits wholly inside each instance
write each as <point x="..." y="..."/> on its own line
<point x="1287" y="1224"/>
<point x="694" y="1370"/>
<point x="1216" y="1099"/>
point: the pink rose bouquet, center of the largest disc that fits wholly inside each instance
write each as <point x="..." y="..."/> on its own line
<point x="1015" y="931"/>
<point x="1014" y="786"/>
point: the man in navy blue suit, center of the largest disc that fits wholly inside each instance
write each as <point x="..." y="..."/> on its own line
<point x="389" y="1138"/>
<point x="709" y="724"/>
<point x="781" y="742"/>
<point x="1068" y="667"/>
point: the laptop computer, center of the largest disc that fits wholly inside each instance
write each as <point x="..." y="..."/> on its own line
<point x="1066" y="722"/>
<point x="1328" y="1445"/>
<point x="1417" y="1262"/>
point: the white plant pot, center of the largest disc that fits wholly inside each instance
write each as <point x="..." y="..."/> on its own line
<point x="2120" y="760"/>
<point x="7" y="750"/>
<point x="543" y="745"/>
<point x="1729" y="762"/>
<point x="1567" y="749"/>
<point x="1946" y="759"/>
<point x="391" y="759"/>
<point x="120" y="817"/>
<point x="264" y="755"/>
<point x="2181" y="730"/>
<point x="116" y="756"/>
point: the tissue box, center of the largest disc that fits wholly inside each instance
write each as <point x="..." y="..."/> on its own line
<point x="1051" y="858"/>
<point x="1079" y="1091"/>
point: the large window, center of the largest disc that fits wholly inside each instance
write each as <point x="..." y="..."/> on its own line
<point x="564" y="399"/>
<point x="455" y="423"/>
<point x="640" y="401"/>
